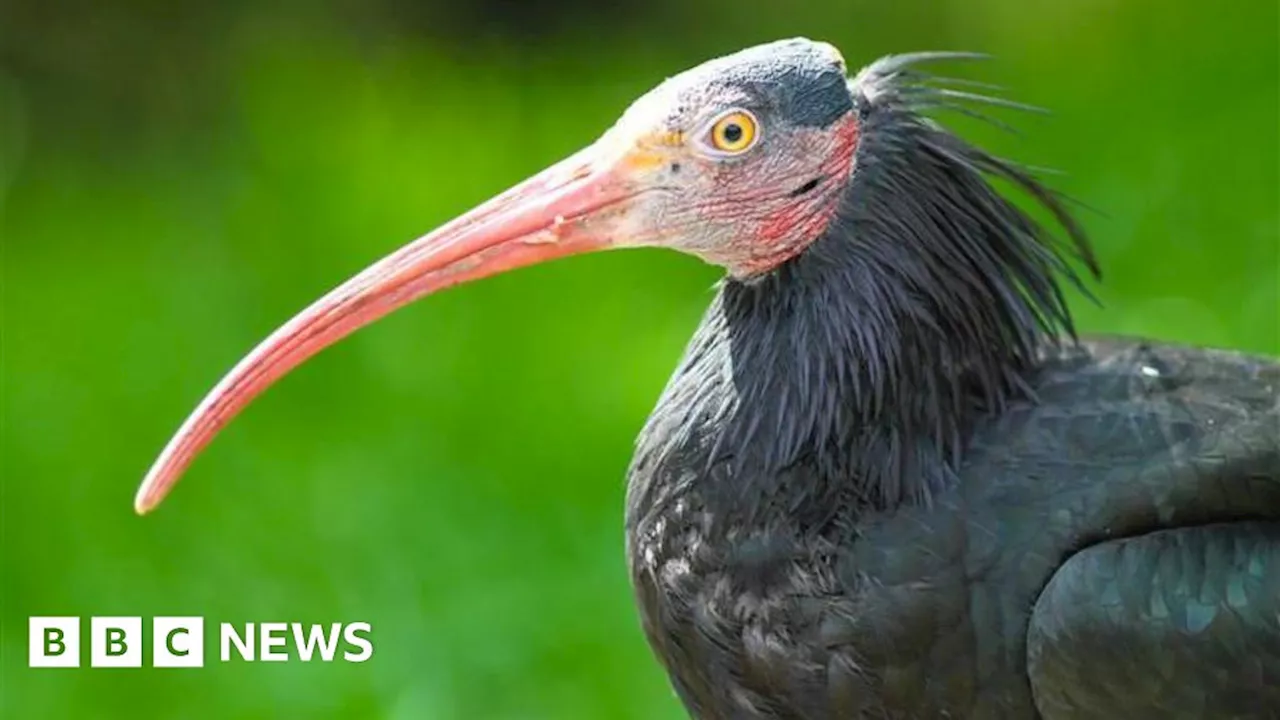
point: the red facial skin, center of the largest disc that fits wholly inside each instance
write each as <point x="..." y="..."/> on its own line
<point x="792" y="223"/>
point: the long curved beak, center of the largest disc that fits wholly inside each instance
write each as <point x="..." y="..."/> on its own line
<point x="572" y="207"/>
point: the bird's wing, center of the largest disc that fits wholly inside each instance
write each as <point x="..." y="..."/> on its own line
<point x="1176" y="623"/>
<point x="1182" y="621"/>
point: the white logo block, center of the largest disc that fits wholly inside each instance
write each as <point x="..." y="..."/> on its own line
<point x="53" y="642"/>
<point x="115" y="642"/>
<point x="177" y="642"/>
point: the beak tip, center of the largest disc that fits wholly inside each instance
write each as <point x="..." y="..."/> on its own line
<point x="142" y="504"/>
<point x="149" y="495"/>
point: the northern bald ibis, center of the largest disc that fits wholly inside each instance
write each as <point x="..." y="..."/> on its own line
<point x="887" y="480"/>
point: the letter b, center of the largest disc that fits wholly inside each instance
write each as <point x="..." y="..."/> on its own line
<point x="53" y="642"/>
<point x="115" y="642"/>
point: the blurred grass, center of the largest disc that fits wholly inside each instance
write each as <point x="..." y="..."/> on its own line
<point x="455" y="474"/>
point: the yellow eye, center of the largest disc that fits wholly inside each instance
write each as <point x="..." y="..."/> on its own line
<point x="734" y="132"/>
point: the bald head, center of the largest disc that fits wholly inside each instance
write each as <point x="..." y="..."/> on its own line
<point x="748" y="153"/>
<point x="797" y="81"/>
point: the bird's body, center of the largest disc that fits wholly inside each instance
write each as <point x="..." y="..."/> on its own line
<point x="885" y="481"/>
<point x="1140" y="489"/>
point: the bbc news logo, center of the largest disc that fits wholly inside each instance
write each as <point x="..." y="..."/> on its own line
<point x="178" y="642"/>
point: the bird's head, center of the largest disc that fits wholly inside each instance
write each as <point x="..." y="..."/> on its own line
<point x="738" y="161"/>
<point x="743" y="161"/>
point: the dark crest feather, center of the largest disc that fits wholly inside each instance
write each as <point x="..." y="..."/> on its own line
<point x="858" y="368"/>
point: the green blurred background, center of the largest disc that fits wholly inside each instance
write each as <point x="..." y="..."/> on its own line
<point x="178" y="179"/>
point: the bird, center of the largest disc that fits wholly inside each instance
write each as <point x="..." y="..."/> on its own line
<point x="888" y="478"/>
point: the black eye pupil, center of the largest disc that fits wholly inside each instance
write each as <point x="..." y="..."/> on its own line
<point x="733" y="132"/>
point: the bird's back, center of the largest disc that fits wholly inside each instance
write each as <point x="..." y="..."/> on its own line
<point x="1130" y="512"/>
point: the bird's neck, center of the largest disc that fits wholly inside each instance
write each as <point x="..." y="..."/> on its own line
<point x="804" y="392"/>
<point x="850" y="377"/>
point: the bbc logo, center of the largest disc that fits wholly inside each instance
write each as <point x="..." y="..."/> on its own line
<point x="116" y="642"/>
<point x="179" y="642"/>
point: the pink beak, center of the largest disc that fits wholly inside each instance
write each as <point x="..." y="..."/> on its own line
<point x="569" y="208"/>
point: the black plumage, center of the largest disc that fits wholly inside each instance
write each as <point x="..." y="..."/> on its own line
<point x="885" y="481"/>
